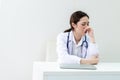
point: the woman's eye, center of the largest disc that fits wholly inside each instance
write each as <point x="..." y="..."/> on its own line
<point x="83" y="24"/>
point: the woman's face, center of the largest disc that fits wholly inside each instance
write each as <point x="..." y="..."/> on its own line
<point x="81" y="25"/>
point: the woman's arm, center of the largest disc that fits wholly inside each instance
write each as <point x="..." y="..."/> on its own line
<point x="92" y="50"/>
<point x="92" y="60"/>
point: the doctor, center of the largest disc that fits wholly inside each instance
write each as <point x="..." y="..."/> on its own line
<point x="77" y="45"/>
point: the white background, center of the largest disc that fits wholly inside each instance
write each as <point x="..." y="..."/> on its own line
<point x="26" y="26"/>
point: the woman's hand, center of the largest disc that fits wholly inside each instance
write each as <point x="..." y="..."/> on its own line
<point x="90" y="32"/>
<point x="92" y="60"/>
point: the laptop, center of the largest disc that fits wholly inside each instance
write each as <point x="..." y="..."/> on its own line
<point x="78" y="66"/>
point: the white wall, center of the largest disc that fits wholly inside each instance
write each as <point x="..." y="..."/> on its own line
<point x="26" y="26"/>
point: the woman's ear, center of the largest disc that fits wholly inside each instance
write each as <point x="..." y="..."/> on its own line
<point x="73" y="25"/>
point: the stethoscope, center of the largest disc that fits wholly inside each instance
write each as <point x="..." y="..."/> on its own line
<point x="84" y="43"/>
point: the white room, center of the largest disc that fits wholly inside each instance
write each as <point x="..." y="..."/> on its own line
<point x="27" y="27"/>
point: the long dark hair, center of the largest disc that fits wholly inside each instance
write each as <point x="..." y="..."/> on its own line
<point x="75" y="17"/>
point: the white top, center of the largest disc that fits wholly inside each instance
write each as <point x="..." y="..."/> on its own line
<point x="74" y="52"/>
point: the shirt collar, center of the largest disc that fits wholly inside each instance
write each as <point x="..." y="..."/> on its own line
<point x="71" y="38"/>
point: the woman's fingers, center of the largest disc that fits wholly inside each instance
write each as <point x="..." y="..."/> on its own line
<point x="87" y="29"/>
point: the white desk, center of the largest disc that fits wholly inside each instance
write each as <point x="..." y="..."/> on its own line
<point x="51" y="71"/>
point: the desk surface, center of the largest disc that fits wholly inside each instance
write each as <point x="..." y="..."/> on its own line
<point x="54" y="66"/>
<point x="39" y="68"/>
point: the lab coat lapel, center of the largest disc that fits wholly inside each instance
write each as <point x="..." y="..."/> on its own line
<point x="70" y="43"/>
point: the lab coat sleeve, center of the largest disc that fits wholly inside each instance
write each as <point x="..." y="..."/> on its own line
<point x="63" y="56"/>
<point x="93" y="50"/>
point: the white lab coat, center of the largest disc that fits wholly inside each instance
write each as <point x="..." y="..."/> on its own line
<point x="69" y="58"/>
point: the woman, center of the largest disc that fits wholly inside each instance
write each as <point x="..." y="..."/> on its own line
<point x="77" y="45"/>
